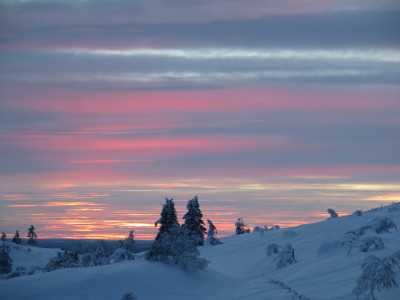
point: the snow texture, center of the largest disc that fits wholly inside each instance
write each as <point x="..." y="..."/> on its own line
<point x="239" y="269"/>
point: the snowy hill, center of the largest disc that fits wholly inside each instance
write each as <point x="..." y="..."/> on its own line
<point x="28" y="257"/>
<point x="329" y="260"/>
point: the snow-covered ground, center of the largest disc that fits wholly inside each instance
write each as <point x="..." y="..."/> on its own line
<point x="239" y="268"/>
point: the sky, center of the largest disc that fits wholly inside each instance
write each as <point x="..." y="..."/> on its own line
<point x="272" y="111"/>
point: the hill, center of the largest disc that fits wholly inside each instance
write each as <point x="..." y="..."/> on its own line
<point x="329" y="258"/>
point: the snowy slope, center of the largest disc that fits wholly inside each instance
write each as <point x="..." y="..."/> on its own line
<point x="239" y="269"/>
<point x="29" y="257"/>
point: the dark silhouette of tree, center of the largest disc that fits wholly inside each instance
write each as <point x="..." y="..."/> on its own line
<point x="32" y="235"/>
<point x="193" y="223"/>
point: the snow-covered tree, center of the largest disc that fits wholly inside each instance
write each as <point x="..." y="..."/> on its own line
<point x="62" y="260"/>
<point x="16" y="239"/>
<point x="376" y="274"/>
<point x="32" y="235"/>
<point x="357" y="213"/>
<point x="103" y="252"/>
<point x="286" y="256"/>
<point x="177" y="247"/>
<point x="212" y="234"/>
<point x="5" y="259"/>
<point x="273" y="249"/>
<point x="168" y="217"/>
<point x="3" y="236"/>
<point x="379" y="225"/>
<point x="332" y="213"/>
<point x="241" y="227"/>
<point x="193" y="223"/>
<point x="129" y="242"/>
<point x="121" y="255"/>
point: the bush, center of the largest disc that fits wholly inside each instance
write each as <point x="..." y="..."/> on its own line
<point x="377" y="274"/>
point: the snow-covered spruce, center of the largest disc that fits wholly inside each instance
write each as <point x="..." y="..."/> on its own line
<point x="177" y="247"/>
<point x="193" y="223"/>
<point x="129" y="243"/>
<point x="3" y="237"/>
<point x="377" y="274"/>
<point x="5" y="259"/>
<point x="241" y="228"/>
<point x="285" y="257"/>
<point x="212" y="234"/>
<point x="168" y="217"/>
<point x="16" y="239"/>
<point x="332" y="213"/>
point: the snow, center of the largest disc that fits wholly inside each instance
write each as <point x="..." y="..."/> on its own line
<point x="239" y="268"/>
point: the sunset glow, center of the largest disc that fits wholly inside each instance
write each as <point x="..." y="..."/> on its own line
<point x="108" y="108"/>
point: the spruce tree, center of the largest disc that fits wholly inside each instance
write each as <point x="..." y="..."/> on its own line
<point x="3" y="236"/>
<point x="212" y="234"/>
<point x="5" y="259"/>
<point x="159" y="250"/>
<point x="168" y="217"/>
<point x="129" y="242"/>
<point x="193" y="224"/>
<point x="32" y="235"/>
<point x="16" y="239"/>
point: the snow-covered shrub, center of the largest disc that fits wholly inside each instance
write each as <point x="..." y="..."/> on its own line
<point x="129" y="296"/>
<point x="273" y="249"/>
<point x="371" y="243"/>
<point x="357" y="213"/>
<point x="5" y="259"/>
<point x="295" y="295"/>
<point x="382" y="225"/>
<point x="121" y="255"/>
<point x="212" y="234"/>
<point x="332" y="213"/>
<point x="379" y="225"/>
<point x="286" y="256"/>
<point x="376" y="274"/>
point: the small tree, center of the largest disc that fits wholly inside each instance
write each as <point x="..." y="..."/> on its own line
<point x="241" y="227"/>
<point x="5" y="259"/>
<point x="212" y="234"/>
<point x="32" y="235"/>
<point x="194" y="224"/>
<point x="332" y="213"/>
<point x="129" y="242"/>
<point x="3" y="236"/>
<point x="286" y="256"/>
<point x="16" y="239"/>
<point x="376" y="274"/>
